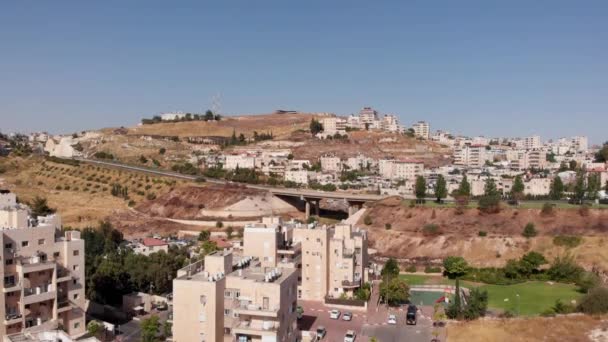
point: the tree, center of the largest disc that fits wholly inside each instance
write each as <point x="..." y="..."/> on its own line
<point x="150" y="327"/>
<point x="204" y="235"/>
<point x="208" y="247"/>
<point x="209" y="116"/>
<point x="455" y="266"/>
<point x="229" y="232"/>
<point x="162" y="150"/>
<point x="420" y="188"/>
<point x="557" y="189"/>
<point x="93" y="328"/>
<point x="477" y="304"/>
<point x="579" y="186"/>
<point x="489" y="188"/>
<point x="219" y="224"/>
<point x="588" y="281"/>
<point x="531" y="262"/>
<point x="315" y="126"/>
<point x="40" y="207"/>
<point x="572" y="165"/>
<point x="394" y="291"/>
<point x="593" y="185"/>
<point x="454" y="310"/>
<point x="602" y="155"/>
<point x="517" y="191"/>
<point x="390" y="269"/>
<point x="490" y="201"/>
<point x="595" y="302"/>
<point x="464" y="189"/>
<point x="529" y="230"/>
<point x="441" y="190"/>
<point x="143" y="159"/>
<point x="565" y="269"/>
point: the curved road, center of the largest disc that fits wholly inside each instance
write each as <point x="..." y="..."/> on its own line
<point x="304" y="193"/>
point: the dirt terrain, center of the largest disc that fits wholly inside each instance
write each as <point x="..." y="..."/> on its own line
<point x="572" y="328"/>
<point x="459" y="234"/>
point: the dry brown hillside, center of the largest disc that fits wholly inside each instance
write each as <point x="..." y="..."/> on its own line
<point x="459" y="234"/>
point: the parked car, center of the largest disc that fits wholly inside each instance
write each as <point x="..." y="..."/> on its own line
<point x="348" y="316"/>
<point x="334" y="314"/>
<point x="410" y="317"/>
<point x="392" y="319"/>
<point x="350" y="336"/>
<point x="321" y="332"/>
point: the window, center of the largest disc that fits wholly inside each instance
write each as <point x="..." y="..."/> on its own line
<point x="76" y="253"/>
<point x="8" y="245"/>
<point x="25" y="243"/>
<point x="56" y="255"/>
<point x="41" y="241"/>
<point x="76" y="325"/>
<point x="75" y="267"/>
<point x="227" y="294"/>
<point x="265" y="301"/>
<point x="237" y="294"/>
<point x="226" y="312"/>
<point x="203" y="300"/>
<point x="75" y="296"/>
<point x="8" y="261"/>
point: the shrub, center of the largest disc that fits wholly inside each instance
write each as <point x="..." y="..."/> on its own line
<point x="547" y="209"/>
<point x="529" y="230"/>
<point x="219" y="224"/>
<point x="411" y="269"/>
<point x="431" y="229"/>
<point x="432" y="269"/>
<point x="565" y="269"/>
<point x="595" y="301"/>
<point x="388" y="226"/>
<point x="489" y="204"/>
<point x="482" y="233"/>
<point x="568" y="241"/>
<point x="588" y="281"/>
<point x="151" y="196"/>
<point x="367" y="220"/>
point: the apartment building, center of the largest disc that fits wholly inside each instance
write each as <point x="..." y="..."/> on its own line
<point x="271" y="242"/>
<point x="531" y="142"/>
<point x="470" y="155"/>
<point x="333" y="125"/>
<point x="422" y="129"/>
<point x="334" y="260"/>
<point x="368" y="116"/>
<point x="402" y="169"/>
<point x="231" y="298"/>
<point x="242" y="161"/>
<point x="42" y="271"/>
<point x="537" y="186"/>
<point x="297" y="176"/>
<point x="390" y="123"/>
<point x="172" y="116"/>
<point x="331" y="164"/>
<point x="580" y="144"/>
<point x="529" y="159"/>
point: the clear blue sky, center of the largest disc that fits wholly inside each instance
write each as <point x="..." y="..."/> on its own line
<point x="473" y="67"/>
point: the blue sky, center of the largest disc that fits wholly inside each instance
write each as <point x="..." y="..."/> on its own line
<point x="497" y="68"/>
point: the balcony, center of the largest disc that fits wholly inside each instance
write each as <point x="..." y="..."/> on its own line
<point x="38" y="294"/>
<point x="244" y="308"/>
<point x="351" y="284"/>
<point x="13" y="318"/>
<point x="35" y="264"/>
<point x="64" y="305"/>
<point x="11" y="286"/>
<point x="63" y="275"/>
<point x="256" y="328"/>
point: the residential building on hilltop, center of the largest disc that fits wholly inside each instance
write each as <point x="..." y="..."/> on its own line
<point x="368" y="116"/>
<point x="421" y="129"/>
<point x="42" y="271"/>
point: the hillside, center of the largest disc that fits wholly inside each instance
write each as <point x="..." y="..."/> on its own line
<point x="459" y="234"/>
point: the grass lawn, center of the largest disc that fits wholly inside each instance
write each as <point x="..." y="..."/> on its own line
<point x="534" y="296"/>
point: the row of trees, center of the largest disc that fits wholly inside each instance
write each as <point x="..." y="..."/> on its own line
<point x="208" y="116"/>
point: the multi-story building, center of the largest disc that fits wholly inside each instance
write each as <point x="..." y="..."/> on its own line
<point x="422" y="129"/>
<point x="271" y="241"/>
<point x="331" y="163"/>
<point x="42" y="271"/>
<point x="334" y="260"/>
<point x="470" y="155"/>
<point x="390" y="123"/>
<point x="227" y="298"/>
<point x="532" y="142"/>
<point x="529" y="159"/>
<point x="580" y="144"/>
<point x="367" y="116"/>
<point x="297" y="176"/>
<point x="333" y="125"/>
<point x="403" y="169"/>
<point x="242" y="161"/>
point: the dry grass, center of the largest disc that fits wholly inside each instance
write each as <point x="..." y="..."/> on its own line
<point x="569" y="328"/>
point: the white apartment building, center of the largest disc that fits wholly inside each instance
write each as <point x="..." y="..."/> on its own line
<point x="537" y="186"/>
<point x="62" y="147"/>
<point x="172" y="116"/>
<point x="231" y="298"/>
<point x="580" y="144"/>
<point x="368" y="116"/>
<point x="242" y="161"/>
<point x="333" y="125"/>
<point x="532" y="142"/>
<point x="390" y="123"/>
<point x="360" y="162"/>
<point x="42" y="271"/>
<point x="529" y="159"/>
<point x="297" y="176"/>
<point x="405" y="169"/>
<point x="148" y="246"/>
<point x="471" y="156"/>
<point x="422" y="129"/>
<point x="331" y="164"/>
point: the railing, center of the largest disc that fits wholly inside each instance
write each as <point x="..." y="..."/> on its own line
<point x="11" y="316"/>
<point x="37" y="290"/>
<point x="354" y="283"/>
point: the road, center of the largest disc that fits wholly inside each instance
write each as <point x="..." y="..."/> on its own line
<point x="306" y="193"/>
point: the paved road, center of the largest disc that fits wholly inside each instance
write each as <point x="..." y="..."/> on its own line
<point x="315" y="194"/>
<point x="131" y="331"/>
<point x="317" y="314"/>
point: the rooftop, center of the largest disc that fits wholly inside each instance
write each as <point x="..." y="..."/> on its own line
<point x="152" y="242"/>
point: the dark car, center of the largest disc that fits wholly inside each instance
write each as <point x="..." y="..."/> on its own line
<point x="410" y="317"/>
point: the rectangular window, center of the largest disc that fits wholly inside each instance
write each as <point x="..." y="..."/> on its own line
<point x="76" y="325"/>
<point x="25" y="243"/>
<point x="56" y="255"/>
<point x="227" y="294"/>
<point x="226" y="312"/>
<point x="8" y="245"/>
<point x="41" y="241"/>
<point x="75" y="296"/>
<point x="8" y="261"/>
<point x="203" y="300"/>
<point x="237" y="294"/>
<point x="75" y="267"/>
<point x="76" y="253"/>
<point x="265" y="301"/>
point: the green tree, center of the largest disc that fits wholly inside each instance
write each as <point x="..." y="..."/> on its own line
<point x="529" y="230"/>
<point x="557" y="189"/>
<point x="455" y="266"/>
<point x="588" y="281"/>
<point x="208" y="247"/>
<point x="162" y="150"/>
<point x="441" y="190"/>
<point x="143" y="159"/>
<point x="204" y="235"/>
<point x="40" y="207"/>
<point x="219" y="224"/>
<point x="390" y="269"/>
<point x="593" y="185"/>
<point x="394" y="291"/>
<point x="454" y="310"/>
<point x="595" y="302"/>
<point x="477" y="304"/>
<point x="209" y="116"/>
<point x="489" y="188"/>
<point x="565" y="269"/>
<point x="93" y="328"/>
<point x="464" y="189"/>
<point x="150" y="328"/>
<point x="420" y="188"/>
<point x="579" y="186"/>
<point x="517" y="191"/>
<point x="229" y="232"/>
<point x="315" y="126"/>
<point x="531" y="262"/>
<point x="602" y="155"/>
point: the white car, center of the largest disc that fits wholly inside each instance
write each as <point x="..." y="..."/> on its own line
<point x="348" y="316"/>
<point x="334" y="314"/>
<point x="392" y="319"/>
<point x="350" y="336"/>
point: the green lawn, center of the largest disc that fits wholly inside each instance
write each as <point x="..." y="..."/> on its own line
<point x="534" y="296"/>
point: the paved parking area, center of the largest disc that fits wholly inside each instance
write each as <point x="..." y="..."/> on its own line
<point x="317" y="314"/>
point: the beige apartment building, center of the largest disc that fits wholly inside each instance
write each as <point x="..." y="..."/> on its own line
<point x="230" y="298"/>
<point x="471" y="155"/>
<point x="422" y="129"/>
<point x="334" y="260"/>
<point x="271" y="241"/>
<point x="42" y="271"/>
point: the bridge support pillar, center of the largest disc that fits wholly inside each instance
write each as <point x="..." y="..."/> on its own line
<point x="307" y="210"/>
<point x="353" y="207"/>
<point x="317" y="208"/>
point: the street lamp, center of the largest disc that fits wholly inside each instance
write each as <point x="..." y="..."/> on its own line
<point x="517" y="298"/>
